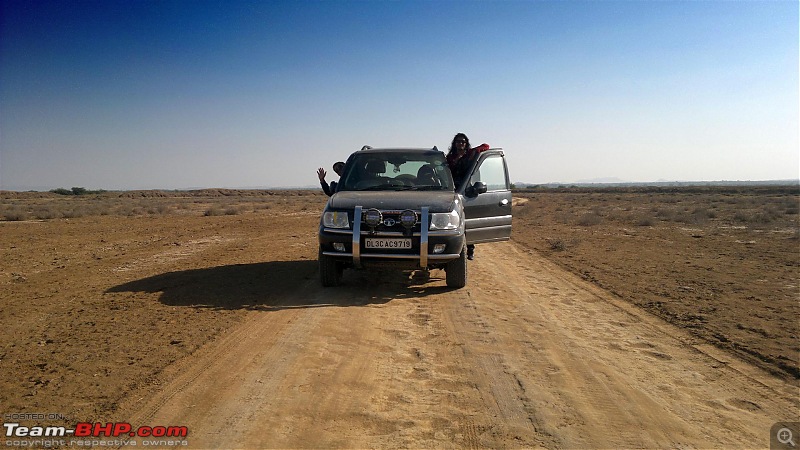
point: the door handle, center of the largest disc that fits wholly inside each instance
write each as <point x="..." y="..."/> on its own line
<point x="504" y="202"/>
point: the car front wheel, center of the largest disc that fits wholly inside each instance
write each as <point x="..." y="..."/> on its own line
<point x="456" y="271"/>
<point x="330" y="270"/>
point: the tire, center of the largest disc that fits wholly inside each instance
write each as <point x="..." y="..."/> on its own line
<point x="456" y="271"/>
<point x="330" y="271"/>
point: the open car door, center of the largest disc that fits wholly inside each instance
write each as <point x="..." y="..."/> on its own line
<point x="487" y="199"/>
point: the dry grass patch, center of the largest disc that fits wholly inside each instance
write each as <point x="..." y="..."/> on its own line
<point x="701" y="259"/>
<point x="15" y="206"/>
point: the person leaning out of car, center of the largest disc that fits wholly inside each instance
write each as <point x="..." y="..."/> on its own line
<point x="460" y="158"/>
<point x="338" y="167"/>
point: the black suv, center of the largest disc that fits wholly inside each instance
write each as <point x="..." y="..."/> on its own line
<point x="399" y="207"/>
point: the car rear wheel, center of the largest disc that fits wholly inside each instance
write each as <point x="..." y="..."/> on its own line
<point x="330" y="270"/>
<point x="456" y="271"/>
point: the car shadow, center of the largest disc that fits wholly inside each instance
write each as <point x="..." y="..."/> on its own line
<point x="277" y="285"/>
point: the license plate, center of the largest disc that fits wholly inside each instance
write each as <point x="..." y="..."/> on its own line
<point x="387" y="243"/>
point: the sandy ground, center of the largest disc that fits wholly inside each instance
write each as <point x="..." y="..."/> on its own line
<point x="218" y="323"/>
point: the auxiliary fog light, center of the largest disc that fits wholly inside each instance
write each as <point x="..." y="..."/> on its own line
<point x="408" y="218"/>
<point x="373" y="217"/>
<point x="338" y="246"/>
<point x="439" y="248"/>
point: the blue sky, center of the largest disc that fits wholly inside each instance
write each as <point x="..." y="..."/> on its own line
<point x="181" y="94"/>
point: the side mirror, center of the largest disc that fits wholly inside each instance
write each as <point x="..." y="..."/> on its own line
<point x="478" y="188"/>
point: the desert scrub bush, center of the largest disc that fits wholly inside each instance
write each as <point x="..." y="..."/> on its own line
<point x="669" y="199"/>
<point x="129" y="211"/>
<point x="46" y="212"/>
<point x="213" y="211"/>
<point x="564" y="218"/>
<point x="697" y="216"/>
<point x="92" y="208"/>
<point x="762" y="217"/>
<point x="642" y="220"/>
<point x="74" y="213"/>
<point x="617" y="216"/>
<point x="791" y="208"/>
<point x="159" y="209"/>
<point x="15" y="213"/>
<point x="219" y="211"/>
<point x="104" y="208"/>
<point x="741" y="217"/>
<point x="590" y="219"/>
<point x="556" y="244"/>
<point x="756" y="217"/>
<point x="665" y="214"/>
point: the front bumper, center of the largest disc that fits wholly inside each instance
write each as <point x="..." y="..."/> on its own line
<point x="419" y="255"/>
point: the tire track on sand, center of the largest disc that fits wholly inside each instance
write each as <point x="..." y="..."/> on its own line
<point x="527" y="355"/>
<point x="214" y="390"/>
<point x="598" y="372"/>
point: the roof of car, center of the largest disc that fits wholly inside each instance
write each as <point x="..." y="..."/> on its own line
<point x="368" y="149"/>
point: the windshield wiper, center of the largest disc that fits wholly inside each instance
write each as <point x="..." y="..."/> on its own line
<point x="385" y="187"/>
<point x="429" y="188"/>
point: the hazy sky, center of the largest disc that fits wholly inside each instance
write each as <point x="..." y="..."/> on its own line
<point x="178" y="94"/>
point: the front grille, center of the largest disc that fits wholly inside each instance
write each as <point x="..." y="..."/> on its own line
<point x="386" y="224"/>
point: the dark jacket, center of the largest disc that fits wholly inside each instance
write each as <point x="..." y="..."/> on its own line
<point x="460" y="166"/>
<point x="328" y="190"/>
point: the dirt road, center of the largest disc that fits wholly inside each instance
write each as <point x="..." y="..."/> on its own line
<point x="527" y="355"/>
<point x="180" y="315"/>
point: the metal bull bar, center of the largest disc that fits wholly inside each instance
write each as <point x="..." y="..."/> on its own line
<point x="423" y="237"/>
<point x="357" y="237"/>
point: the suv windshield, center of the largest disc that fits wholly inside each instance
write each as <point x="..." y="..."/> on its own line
<point x="373" y="171"/>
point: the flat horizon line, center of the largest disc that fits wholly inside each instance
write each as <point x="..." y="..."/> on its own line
<point x="790" y="181"/>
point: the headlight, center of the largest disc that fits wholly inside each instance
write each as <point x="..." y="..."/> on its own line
<point x="335" y="219"/>
<point x="445" y="221"/>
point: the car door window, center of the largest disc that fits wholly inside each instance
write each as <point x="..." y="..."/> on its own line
<point x="492" y="172"/>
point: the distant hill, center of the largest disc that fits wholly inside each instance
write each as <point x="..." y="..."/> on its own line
<point x="605" y="180"/>
<point x="596" y="183"/>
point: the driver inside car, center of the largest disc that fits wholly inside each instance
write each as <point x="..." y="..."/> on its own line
<point x="426" y="176"/>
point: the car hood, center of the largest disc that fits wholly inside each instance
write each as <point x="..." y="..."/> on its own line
<point x="436" y="201"/>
